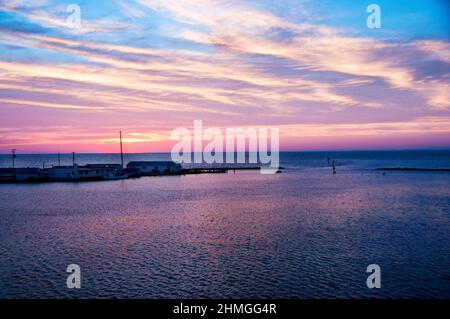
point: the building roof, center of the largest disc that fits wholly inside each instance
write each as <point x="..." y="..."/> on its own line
<point x="102" y="165"/>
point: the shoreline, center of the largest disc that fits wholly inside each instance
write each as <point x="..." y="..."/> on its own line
<point x="413" y="169"/>
<point x="183" y="172"/>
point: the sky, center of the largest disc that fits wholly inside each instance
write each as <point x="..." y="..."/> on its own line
<point x="313" y="69"/>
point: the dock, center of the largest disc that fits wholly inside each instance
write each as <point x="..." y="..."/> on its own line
<point x="104" y="172"/>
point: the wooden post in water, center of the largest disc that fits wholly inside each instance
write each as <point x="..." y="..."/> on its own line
<point x="121" y="151"/>
<point x="13" y="156"/>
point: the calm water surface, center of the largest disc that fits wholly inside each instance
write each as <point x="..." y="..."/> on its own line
<point x="301" y="234"/>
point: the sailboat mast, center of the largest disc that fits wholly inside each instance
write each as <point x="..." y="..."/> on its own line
<point x="121" y="151"/>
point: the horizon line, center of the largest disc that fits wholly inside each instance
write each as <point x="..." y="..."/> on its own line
<point x="447" y="148"/>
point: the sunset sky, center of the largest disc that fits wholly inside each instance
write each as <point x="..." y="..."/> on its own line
<point x="313" y="69"/>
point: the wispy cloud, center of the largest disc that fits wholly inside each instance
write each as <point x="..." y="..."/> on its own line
<point x="42" y="13"/>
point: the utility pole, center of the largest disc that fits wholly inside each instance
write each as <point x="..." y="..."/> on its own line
<point x="73" y="159"/>
<point x="121" y="151"/>
<point x="13" y="156"/>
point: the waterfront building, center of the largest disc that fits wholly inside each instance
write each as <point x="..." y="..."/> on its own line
<point x="91" y="171"/>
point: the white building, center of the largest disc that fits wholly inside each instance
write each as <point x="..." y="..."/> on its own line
<point x="64" y="172"/>
<point x="91" y="171"/>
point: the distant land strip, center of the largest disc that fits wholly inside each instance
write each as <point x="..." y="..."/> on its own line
<point x="413" y="169"/>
